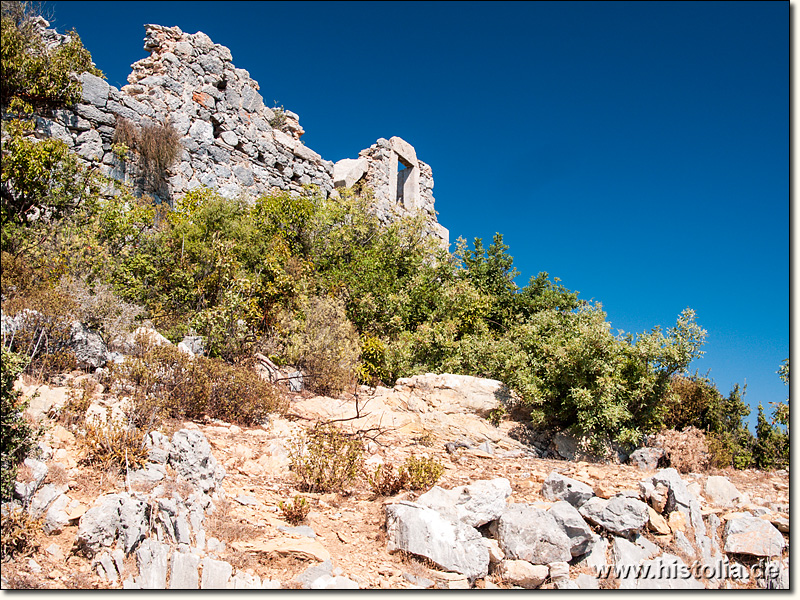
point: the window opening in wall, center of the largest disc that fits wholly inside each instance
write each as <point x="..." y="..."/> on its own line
<point x="404" y="170"/>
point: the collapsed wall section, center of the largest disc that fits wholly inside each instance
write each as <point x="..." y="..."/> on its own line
<point x="230" y="141"/>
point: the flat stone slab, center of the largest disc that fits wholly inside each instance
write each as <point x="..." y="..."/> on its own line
<point x="753" y="536"/>
<point x="304" y="548"/>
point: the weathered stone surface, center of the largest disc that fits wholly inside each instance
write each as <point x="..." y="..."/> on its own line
<point x="453" y="393"/>
<point x="98" y="526"/>
<point x="348" y="171"/>
<point x="474" y="504"/>
<point x="657" y="523"/>
<point x="302" y="548"/>
<point x="559" y="487"/>
<point x="94" y="90"/>
<point x="57" y="517"/>
<point x="646" y="458"/>
<point x="596" y="555"/>
<point x="532" y="534"/>
<point x="667" y="489"/>
<point x="190" y="456"/>
<point x="720" y="491"/>
<point x="216" y="574"/>
<point x="572" y="523"/>
<point x="753" y="536"/>
<point x="628" y="553"/>
<point x="619" y="515"/>
<point x="451" y="545"/>
<point x="24" y="490"/>
<point x="89" y="348"/>
<point x="42" y="500"/>
<point x="666" y="572"/>
<point x="183" y="571"/>
<point x="151" y="558"/>
<point x="523" y="573"/>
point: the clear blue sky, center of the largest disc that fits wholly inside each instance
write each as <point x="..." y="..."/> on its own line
<point x="637" y="151"/>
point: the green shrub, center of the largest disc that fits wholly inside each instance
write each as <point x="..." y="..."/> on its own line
<point x="327" y="460"/>
<point x="325" y="345"/>
<point x="421" y="473"/>
<point x="386" y="481"/>
<point x="296" y="511"/>
<point x="34" y="76"/>
<point x="17" y="436"/>
<point x="372" y="368"/>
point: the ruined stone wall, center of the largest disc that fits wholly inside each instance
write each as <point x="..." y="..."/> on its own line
<point x="230" y="140"/>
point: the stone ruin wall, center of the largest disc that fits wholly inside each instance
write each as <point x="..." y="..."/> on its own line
<point x="229" y="143"/>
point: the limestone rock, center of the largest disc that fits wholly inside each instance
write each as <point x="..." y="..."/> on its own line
<point x="216" y="574"/>
<point x="24" y="490"/>
<point x="89" y="348"/>
<point x="420" y="530"/>
<point x="455" y="393"/>
<point x="571" y="522"/>
<point x="720" y="491"/>
<point x="646" y="458"/>
<point x="753" y="536"/>
<point x="559" y="487"/>
<point x="657" y="523"/>
<point x="183" y="571"/>
<point x="523" y="573"/>
<point x="532" y="534"/>
<point x="619" y="515"/>
<point x="473" y="505"/>
<point x="151" y="558"/>
<point x="348" y="171"/>
<point x="94" y="90"/>
<point x="190" y="456"/>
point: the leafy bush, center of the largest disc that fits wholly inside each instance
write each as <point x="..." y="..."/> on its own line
<point x="296" y="511"/>
<point x="421" y="473"/>
<point x="386" y="481"/>
<point x="372" y="368"/>
<point x="325" y="345"/>
<point x="771" y="448"/>
<point x="40" y="180"/>
<point x="17" y="436"/>
<point x="327" y="460"/>
<point x="35" y="76"/>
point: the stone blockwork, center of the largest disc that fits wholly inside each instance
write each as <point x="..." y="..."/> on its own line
<point x="230" y="140"/>
<point x="403" y="184"/>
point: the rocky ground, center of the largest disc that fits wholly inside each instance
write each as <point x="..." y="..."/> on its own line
<point x="204" y="512"/>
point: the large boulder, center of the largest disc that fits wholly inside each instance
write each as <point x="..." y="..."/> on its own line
<point x="559" y="487"/>
<point x="620" y="515"/>
<point x="348" y="171"/>
<point x="572" y="523"/>
<point x="453" y="393"/>
<point x="753" y="536"/>
<point x="473" y="505"/>
<point x="451" y="545"/>
<point x="532" y="534"/>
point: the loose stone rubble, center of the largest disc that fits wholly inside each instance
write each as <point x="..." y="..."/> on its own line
<point x="658" y="530"/>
